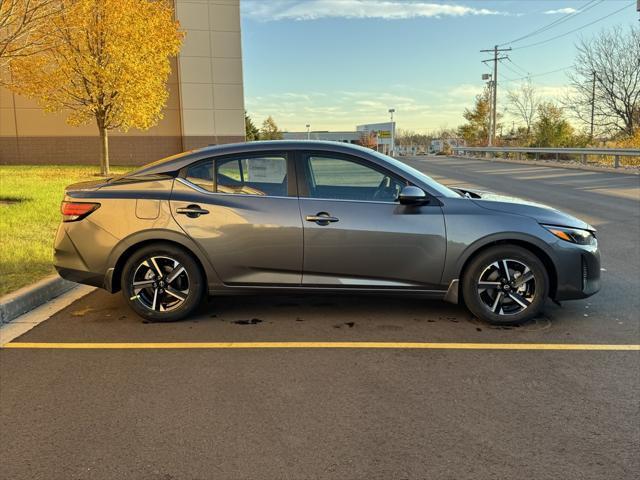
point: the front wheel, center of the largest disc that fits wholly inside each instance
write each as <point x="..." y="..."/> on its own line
<point x="505" y="285"/>
<point x="162" y="283"/>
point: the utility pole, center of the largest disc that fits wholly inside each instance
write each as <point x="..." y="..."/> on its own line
<point x="494" y="90"/>
<point x="593" y="102"/>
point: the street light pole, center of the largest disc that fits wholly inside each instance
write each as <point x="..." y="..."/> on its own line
<point x="393" y="133"/>
<point x="308" y="132"/>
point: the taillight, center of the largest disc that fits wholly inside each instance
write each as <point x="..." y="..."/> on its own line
<point x="72" y="211"/>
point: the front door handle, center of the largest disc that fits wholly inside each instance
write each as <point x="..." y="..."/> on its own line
<point x="321" y="218"/>
<point x="192" y="211"/>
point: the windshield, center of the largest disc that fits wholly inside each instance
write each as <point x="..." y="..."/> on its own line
<point x="438" y="187"/>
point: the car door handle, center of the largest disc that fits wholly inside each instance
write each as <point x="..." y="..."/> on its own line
<point x="321" y="218"/>
<point x="192" y="211"/>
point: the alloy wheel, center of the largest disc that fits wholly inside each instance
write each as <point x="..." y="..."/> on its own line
<point x="507" y="287"/>
<point x="160" y="283"/>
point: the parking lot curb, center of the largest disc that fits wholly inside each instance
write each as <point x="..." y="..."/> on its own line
<point x="27" y="298"/>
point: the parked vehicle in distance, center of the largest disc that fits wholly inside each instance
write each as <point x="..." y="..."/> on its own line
<point x="309" y="216"/>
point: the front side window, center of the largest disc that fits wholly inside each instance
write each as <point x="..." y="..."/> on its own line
<point x="252" y="176"/>
<point x="343" y="179"/>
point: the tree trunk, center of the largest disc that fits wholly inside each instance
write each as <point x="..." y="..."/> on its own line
<point x="104" y="151"/>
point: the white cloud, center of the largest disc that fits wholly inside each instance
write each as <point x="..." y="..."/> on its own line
<point x="561" y="10"/>
<point x="421" y="110"/>
<point x="385" y="9"/>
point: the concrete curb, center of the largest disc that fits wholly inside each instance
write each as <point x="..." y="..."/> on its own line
<point x="551" y="163"/>
<point x="27" y="298"/>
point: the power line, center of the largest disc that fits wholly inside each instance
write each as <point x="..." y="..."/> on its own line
<point x="509" y="68"/>
<point x="538" y="74"/>
<point x="523" y="70"/>
<point x="572" y="31"/>
<point x="556" y="22"/>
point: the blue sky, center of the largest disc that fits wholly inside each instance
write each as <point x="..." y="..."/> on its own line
<point x="338" y="63"/>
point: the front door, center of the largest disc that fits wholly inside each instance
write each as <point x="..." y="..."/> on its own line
<point x="249" y="222"/>
<point x="357" y="235"/>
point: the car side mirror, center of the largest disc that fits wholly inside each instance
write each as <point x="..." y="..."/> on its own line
<point x="411" y="195"/>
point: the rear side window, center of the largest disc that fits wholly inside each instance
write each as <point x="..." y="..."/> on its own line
<point x="252" y="176"/>
<point x="261" y="175"/>
<point x="201" y="174"/>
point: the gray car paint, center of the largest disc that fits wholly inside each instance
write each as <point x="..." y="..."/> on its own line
<point x="246" y="243"/>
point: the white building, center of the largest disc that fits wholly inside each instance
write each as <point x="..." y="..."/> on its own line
<point x="344" y="137"/>
<point x="383" y="132"/>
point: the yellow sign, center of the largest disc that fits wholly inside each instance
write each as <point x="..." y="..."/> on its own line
<point x="384" y="134"/>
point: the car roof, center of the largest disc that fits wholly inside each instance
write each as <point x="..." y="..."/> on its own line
<point x="176" y="162"/>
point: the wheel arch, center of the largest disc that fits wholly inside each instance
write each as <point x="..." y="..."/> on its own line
<point x="130" y="245"/>
<point x="526" y="243"/>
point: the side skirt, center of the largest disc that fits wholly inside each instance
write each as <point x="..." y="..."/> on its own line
<point x="292" y="290"/>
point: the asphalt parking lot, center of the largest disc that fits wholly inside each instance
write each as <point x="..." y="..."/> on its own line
<point x="345" y="413"/>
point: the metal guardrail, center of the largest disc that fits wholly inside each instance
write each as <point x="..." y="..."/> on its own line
<point x="616" y="153"/>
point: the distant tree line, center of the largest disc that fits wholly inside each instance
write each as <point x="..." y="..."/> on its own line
<point x="268" y="131"/>
<point x="601" y="108"/>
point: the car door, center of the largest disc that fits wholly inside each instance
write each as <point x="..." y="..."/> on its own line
<point x="356" y="234"/>
<point x="243" y="212"/>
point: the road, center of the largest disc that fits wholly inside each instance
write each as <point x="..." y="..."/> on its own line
<point x="347" y="413"/>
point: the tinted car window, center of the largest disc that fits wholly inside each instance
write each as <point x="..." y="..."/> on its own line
<point x="342" y="179"/>
<point x="201" y="174"/>
<point x="252" y="176"/>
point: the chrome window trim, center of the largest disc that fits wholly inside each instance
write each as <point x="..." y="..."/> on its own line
<point x="202" y="190"/>
<point x="347" y="200"/>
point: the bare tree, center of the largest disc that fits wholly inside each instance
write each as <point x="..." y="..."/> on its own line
<point x="523" y="103"/>
<point x="606" y="81"/>
<point x="410" y="140"/>
<point x="20" y="22"/>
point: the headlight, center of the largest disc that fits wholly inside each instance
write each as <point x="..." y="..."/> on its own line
<point x="573" y="235"/>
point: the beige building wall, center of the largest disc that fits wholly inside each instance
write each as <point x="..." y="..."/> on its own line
<point x="210" y="67"/>
<point x="205" y="105"/>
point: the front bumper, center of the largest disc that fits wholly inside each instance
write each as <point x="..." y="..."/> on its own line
<point x="578" y="271"/>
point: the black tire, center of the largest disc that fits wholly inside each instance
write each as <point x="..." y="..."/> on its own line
<point x="148" y="301"/>
<point x="498" y="304"/>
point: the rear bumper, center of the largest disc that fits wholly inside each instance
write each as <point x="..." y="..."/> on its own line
<point x="72" y="265"/>
<point x="81" y="276"/>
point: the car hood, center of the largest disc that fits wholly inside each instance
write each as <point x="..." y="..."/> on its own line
<point x="541" y="213"/>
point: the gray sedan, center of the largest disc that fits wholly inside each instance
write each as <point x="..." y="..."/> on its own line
<point x="302" y="216"/>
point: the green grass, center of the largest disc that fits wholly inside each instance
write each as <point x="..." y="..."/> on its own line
<point x="30" y="199"/>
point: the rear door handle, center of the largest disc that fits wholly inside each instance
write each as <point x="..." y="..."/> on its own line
<point x="321" y="218"/>
<point x="192" y="211"/>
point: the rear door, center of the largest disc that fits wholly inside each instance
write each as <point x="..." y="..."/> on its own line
<point x="355" y="232"/>
<point x="243" y="212"/>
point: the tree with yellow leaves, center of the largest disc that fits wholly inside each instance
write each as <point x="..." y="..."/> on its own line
<point x="108" y="62"/>
<point x="21" y="23"/>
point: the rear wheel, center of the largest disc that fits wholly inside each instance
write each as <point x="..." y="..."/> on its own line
<point x="162" y="283"/>
<point x="505" y="285"/>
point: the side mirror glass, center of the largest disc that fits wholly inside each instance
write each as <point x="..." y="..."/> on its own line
<point x="411" y="195"/>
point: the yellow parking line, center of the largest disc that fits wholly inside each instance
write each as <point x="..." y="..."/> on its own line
<point x="370" y="345"/>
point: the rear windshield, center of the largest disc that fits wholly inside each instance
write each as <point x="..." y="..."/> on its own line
<point x="157" y="163"/>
